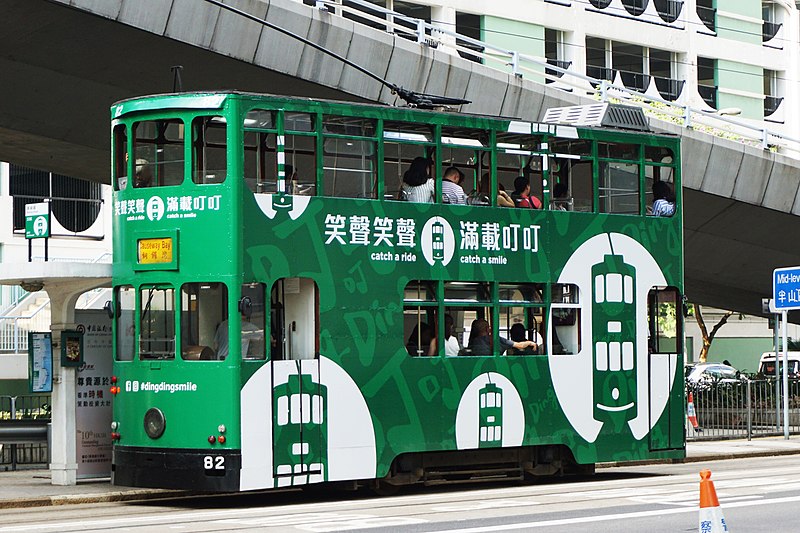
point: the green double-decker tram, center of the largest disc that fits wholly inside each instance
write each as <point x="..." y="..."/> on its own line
<point x="305" y="291"/>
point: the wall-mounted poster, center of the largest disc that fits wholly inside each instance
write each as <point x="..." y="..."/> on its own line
<point x="40" y="362"/>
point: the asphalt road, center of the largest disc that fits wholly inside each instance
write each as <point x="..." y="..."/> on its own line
<point x="756" y="494"/>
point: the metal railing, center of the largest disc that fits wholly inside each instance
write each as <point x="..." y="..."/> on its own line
<point x="743" y="409"/>
<point x="14" y="329"/>
<point x="539" y="69"/>
<point x="24" y="430"/>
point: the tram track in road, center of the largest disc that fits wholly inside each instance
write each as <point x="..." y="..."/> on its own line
<point x="424" y="508"/>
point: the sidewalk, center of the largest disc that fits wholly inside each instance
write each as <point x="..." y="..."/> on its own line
<point x="32" y="488"/>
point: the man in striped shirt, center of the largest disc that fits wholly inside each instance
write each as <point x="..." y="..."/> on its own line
<point x="452" y="193"/>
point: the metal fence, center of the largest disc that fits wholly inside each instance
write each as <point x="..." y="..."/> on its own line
<point x="24" y="408"/>
<point x="743" y="409"/>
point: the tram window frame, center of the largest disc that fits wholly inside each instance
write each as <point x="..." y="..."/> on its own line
<point x="530" y="164"/>
<point x="619" y="187"/>
<point x="169" y="323"/>
<point x="523" y="303"/>
<point x="668" y="299"/>
<point x="120" y="135"/>
<point x="124" y="305"/>
<point x="164" y="172"/>
<point x="349" y="147"/>
<point x="653" y="173"/>
<point x="398" y="139"/>
<point x="469" y="150"/>
<point x="578" y="173"/>
<point x="201" y="309"/>
<point x="565" y="318"/>
<point x="254" y="303"/>
<point x="419" y="299"/>
<point x="206" y="147"/>
<point x="260" y="150"/>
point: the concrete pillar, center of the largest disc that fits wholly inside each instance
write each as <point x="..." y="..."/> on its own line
<point x="63" y="449"/>
<point x="445" y="18"/>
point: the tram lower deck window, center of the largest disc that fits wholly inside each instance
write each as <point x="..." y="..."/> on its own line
<point x="157" y="323"/>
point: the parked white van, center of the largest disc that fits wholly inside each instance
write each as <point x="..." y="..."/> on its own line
<point x="766" y="366"/>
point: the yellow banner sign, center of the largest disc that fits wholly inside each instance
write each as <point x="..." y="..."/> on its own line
<point x="155" y="250"/>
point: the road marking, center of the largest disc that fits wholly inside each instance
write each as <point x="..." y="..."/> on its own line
<point x="606" y="518"/>
<point x="478" y="506"/>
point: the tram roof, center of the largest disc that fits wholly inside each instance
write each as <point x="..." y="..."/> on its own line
<point x="216" y="100"/>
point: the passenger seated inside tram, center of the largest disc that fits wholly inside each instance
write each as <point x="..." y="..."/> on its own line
<point x="419" y="341"/>
<point x="522" y="194"/>
<point x="451" y="344"/>
<point x="481" y="340"/>
<point x="143" y="176"/>
<point x="250" y="333"/>
<point x="452" y="193"/>
<point x="418" y="185"/>
<point x="561" y="200"/>
<point x="663" y="200"/>
<point x="482" y="195"/>
<point x="518" y="334"/>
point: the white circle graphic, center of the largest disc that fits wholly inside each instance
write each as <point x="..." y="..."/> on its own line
<point x="655" y="374"/>
<point x="493" y="391"/>
<point x="155" y="208"/>
<point x="438" y="242"/>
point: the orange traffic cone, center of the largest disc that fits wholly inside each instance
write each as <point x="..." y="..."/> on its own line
<point x="690" y="412"/>
<point x="711" y="519"/>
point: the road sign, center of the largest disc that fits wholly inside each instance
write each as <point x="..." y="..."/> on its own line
<point x="786" y="288"/>
<point x="37" y="221"/>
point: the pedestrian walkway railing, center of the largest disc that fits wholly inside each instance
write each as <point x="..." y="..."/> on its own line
<point x="559" y="75"/>
<point x="743" y="409"/>
<point x="24" y="430"/>
<point x="14" y="329"/>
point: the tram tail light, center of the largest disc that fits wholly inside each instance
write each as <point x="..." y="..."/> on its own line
<point x="212" y="439"/>
<point x="221" y="439"/>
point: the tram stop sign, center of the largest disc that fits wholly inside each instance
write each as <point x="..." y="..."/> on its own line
<point x="37" y="221"/>
<point x="786" y="288"/>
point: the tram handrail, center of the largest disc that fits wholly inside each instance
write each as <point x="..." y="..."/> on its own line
<point x="704" y="120"/>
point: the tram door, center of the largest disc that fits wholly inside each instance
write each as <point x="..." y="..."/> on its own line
<point x="299" y="400"/>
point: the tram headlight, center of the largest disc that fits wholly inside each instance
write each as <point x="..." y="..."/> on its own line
<point x="154" y="423"/>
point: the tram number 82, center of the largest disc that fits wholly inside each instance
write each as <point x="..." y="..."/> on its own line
<point x="214" y="466"/>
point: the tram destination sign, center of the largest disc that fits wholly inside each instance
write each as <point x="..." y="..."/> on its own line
<point x="786" y="288"/>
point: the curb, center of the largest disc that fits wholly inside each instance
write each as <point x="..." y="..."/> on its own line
<point x="73" y="499"/>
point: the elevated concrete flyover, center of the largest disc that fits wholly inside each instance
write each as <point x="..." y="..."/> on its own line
<point x="64" y="62"/>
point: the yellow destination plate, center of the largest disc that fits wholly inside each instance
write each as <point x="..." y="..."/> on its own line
<point x="155" y="251"/>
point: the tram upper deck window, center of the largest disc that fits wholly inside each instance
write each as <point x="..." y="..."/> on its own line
<point x="467" y="150"/>
<point x="209" y="149"/>
<point x="120" y="179"/>
<point x="349" y="157"/>
<point x="157" y="323"/>
<point x="619" y="187"/>
<point x="659" y="167"/>
<point x="260" y="142"/>
<point x="125" y="316"/>
<point x="203" y="307"/>
<point x="517" y="155"/>
<point x="402" y="143"/>
<point x="158" y="150"/>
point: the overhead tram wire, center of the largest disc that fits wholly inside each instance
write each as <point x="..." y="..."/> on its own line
<point x="412" y="98"/>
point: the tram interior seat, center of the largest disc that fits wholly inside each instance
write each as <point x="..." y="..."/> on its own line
<point x="562" y="204"/>
<point x="199" y="353"/>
